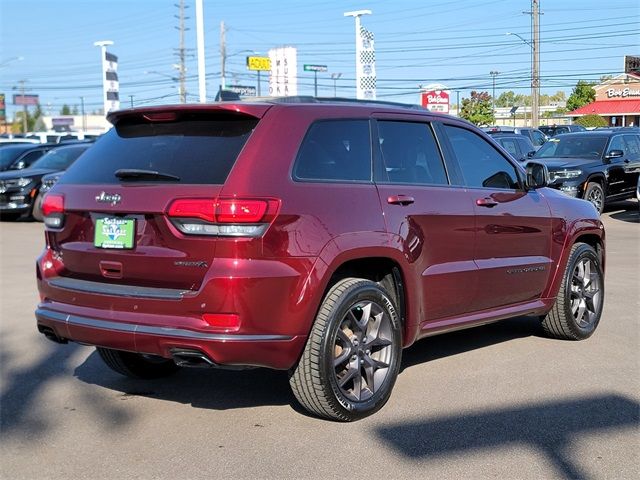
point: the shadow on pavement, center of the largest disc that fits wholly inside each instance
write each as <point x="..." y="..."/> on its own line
<point x="441" y="346"/>
<point x="626" y="211"/>
<point x="548" y="427"/>
<point x="202" y="388"/>
<point x="22" y="412"/>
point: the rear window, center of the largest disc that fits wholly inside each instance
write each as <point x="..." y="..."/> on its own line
<point x="196" y="150"/>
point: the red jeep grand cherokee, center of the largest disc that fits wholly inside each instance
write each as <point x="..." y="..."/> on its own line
<point x="318" y="237"/>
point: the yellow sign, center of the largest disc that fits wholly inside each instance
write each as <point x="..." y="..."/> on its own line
<point x="259" y="63"/>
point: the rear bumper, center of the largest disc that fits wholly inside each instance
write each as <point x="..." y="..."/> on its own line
<point x="268" y="350"/>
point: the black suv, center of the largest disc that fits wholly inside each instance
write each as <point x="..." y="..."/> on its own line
<point x="536" y="136"/>
<point x="599" y="166"/>
<point x="553" y="130"/>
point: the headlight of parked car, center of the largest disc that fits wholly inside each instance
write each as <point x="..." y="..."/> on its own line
<point x="23" y="182"/>
<point x="564" y="174"/>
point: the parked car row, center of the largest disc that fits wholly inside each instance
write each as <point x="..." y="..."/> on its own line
<point x="21" y="189"/>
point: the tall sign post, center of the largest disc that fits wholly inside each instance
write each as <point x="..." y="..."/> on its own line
<point x="3" y="112"/>
<point x="365" y="58"/>
<point x="315" y="69"/>
<point x="259" y="64"/>
<point x="110" y="84"/>
<point x="283" y="81"/>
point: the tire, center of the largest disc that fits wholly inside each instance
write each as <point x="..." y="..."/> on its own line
<point x="594" y="193"/>
<point x="136" y="365"/>
<point x="36" y="211"/>
<point x="577" y="311"/>
<point x="341" y="375"/>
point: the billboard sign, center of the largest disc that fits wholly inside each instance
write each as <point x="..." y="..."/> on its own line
<point x="25" y="99"/>
<point x="260" y="64"/>
<point x="315" y="68"/>
<point x="242" y="90"/>
<point x="435" y="100"/>
<point x="283" y="81"/>
<point x="632" y="64"/>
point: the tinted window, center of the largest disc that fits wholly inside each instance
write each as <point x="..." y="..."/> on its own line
<point x="410" y="153"/>
<point x="525" y="146"/>
<point x="335" y="150"/>
<point x="574" y="145"/>
<point x="31" y="157"/>
<point x="617" y="143"/>
<point x="59" y="158"/>
<point x="198" y="151"/>
<point x="633" y="146"/>
<point x="9" y="153"/>
<point x="481" y="164"/>
<point x="510" y="145"/>
<point x="537" y="138"/>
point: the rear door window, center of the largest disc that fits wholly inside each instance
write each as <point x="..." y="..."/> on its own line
<point x="335" y="150"/>
<point x="511" y="146"/>
<point x="195" y="149"/>
<point x="410" y="154"/>
<point x="482" y="165"/>
<point x="537" y="138"/>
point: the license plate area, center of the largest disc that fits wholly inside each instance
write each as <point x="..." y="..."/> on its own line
<point x="114" y="233"/>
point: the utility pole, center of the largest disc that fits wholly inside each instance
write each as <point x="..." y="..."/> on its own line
<point x="494" y="74"/>
<point x="84" y="118"/>
<point x="535" y="81"/>
<point x="181" y="53"/>
<point x="223" y="56"/>
<point x="24" y="107"/>
<point x="131" y="100"/>
<point x="202" y="85"/>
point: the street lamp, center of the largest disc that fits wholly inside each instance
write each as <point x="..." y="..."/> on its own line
<point x="494" y="74"/>
<point x="173" y="79"/>
<point x="335" y="77"/>
<point x="535" y="80"/>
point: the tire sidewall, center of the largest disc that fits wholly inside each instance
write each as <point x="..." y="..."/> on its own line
<point x="355" y="294"/>
<point x="583" y="251"/>
<point x="593" y="186"/>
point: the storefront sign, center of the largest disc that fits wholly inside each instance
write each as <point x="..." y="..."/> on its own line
<point x="260" y="64"/>
<point x="623" y="92"/>
<point x="436" y="100"/>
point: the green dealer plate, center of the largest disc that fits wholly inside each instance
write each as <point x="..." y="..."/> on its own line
<point x="114" y="233"/>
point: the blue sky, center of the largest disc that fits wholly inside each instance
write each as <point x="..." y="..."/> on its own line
<point x="456" y="43"/>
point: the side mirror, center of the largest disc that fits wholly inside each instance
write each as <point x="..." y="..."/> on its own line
<point x="537" y="176"/>
<point x="531" y="153"/>
<point x="614" y="154"/>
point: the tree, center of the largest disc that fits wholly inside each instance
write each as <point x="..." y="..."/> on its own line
<point x="34" y="120"/>
<point x="592" y="121"/>
<point x="65" y="110"/>
<point x="582" y="94"/>
<point x="477" y="109"/>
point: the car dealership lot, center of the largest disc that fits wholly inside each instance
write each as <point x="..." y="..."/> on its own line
<point x="496" y="401"/>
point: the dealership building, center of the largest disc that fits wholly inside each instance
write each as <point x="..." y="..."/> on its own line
<point x="618" y="98"/>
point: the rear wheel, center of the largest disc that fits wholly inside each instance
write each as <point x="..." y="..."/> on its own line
<point x="36" y="212"/>
<point x="594" y="193"/>
<point x="352" y="356"/>
<point x="578" y="308"/>
<point x="137" y="365"/>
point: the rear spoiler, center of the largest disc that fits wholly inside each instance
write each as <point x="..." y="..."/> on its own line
<point x="166" y="113"/>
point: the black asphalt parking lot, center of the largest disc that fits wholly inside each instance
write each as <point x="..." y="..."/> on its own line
<point x="499" y="401"/>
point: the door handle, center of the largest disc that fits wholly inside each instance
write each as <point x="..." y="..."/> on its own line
<point x="486" y="202"/>
<point x="400" y="200"/>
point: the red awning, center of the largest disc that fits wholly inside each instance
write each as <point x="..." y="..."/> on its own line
<point x="609" y="107"/>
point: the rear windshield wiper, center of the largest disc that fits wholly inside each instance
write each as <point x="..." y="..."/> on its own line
<point x="136" y="174"/>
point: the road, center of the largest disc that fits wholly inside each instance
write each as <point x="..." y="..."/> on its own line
<point x="499" y="401"/>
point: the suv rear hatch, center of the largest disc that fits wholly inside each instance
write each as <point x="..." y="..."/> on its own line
<point x="115" y="199"/>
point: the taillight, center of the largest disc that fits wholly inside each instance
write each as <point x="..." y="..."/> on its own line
<point x="229" y="217"/>
<point x="53" y="210"/>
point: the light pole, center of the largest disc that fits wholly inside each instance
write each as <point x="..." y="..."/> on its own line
<point x="103" y="44"/>
<point x="535" y="79"/>
<point x="494" y="74"/>
<point x="174" y="79"/>
<point x="335" y="77"/>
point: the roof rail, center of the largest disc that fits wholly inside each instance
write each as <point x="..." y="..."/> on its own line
<point x="312" y="99"/>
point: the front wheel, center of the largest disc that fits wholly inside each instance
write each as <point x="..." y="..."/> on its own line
<point x="352" y="357"/>
<point x="594" y="193"/>
<point x="578" y="308"/>
<point x="137" y="365"/>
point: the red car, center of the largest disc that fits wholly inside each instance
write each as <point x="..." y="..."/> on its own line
<point x="315" y="237"/>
